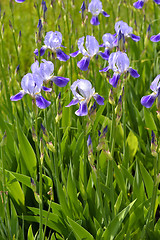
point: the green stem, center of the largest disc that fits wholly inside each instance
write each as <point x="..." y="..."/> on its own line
<point x="124" y="126"/>
<point x="85" y="152"/>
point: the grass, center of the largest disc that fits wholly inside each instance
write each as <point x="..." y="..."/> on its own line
<point x="52" y="186"/>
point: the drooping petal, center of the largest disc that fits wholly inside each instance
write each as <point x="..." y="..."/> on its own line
<point x="105" y="14"/>
<point x="133" y="72"/>
<point x="105" y="55"/>
<point x="139" y="4"/>
<point x="83" y="110"/>
<point x="61" y="55"/>
<point x="154" y="85"/>
<point x="99" y="99"/>
<point x="74" y="54"/>
<point x="147" y="101"/>
<point x="104" y="69"/>
<point x="114" y="80"/>
<point x="19" y="1"/>
<point x="94" y="20"/>
<point x="41" y="102"/>
<point x="46" y="89"/>
<point x="83" y="63"/>
<point x="18" y="96"/>
<point x="134" y="37"/>
<point x="73" y="102"/>
<point x="60" y="81"/>
<point x="155" y="38"/>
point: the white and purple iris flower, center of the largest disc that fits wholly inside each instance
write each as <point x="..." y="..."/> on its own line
<point x="83" y="91"/>
<point x="95" y="7"/>
<point x="148" y="100"/>
<point x="139" y="4"/>
<point x="53" y="41"/>
<point x="123" y="30"/>
<point x="92" y="48"/>
<point x="19" y="1"/>
<point x="45" y="71"/>
<point x="119" y="63"/>
<point x="109" y="42"/>
<point x="32" y="84"/>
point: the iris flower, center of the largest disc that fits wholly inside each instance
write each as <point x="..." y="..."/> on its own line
<point x="139" y="4"/>
<point x="109" y="42"/>
<point x="119" y="63"/>
<point x="32" y="84"/>
<point x="95" y="7"/>
<point x="155" y="38"/>
<point x="148" y="100"/>
<point x="92" y="48"/>
<point x="83" y="91"/>
<point x="45" y="71"/>
<point x="122" y="29"/>
<point x="53" y="41"/>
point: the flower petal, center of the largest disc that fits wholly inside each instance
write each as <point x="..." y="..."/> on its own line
<point x="134" y="37"/>
<point x="46" y="89"/>
<point x="42" y="51"/>
<point x="99" y="99"/>
<point x="18" y="96"/>
<point x="61" y="55"/>
<point x="105" y="55"/>
<point x="83" y="110"/>
<point x="155" y="38"/>
<point x="139" y="4"/>
<point x="133" y="72"/>
<point x="114" y="80"/>
<point x="41" y="102"/>
<point x="154" y="84"/>
<point x="19" y="1"/>
<point x="148" y="100"/>
<point x="94" y="20"/>
<point x="73" y="102"/>
<point x="74" y="54"/>
<point x="105" y="14"/>
<point x="60" y="81"/>
<point x="83" y="63"/>
<point x="104" y="69"/>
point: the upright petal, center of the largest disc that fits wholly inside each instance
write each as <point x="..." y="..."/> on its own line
<point x="154" y="85"/>
<point x="41" y="102"/>
<point x="83" y="63"/>
<point x="92" y="45"/>
<point x="147" y="101"/>
<point x="83" y="110"/>
<point x="61" y="55"/>
<point x="60" y="81"/>
<point x="18" y="96"/>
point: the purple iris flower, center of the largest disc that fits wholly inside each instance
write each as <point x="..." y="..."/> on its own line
<point x="92" y="48"/>
<point x="123" y="30"/>
<point x="45" y="71"/>
<point x="32" y="84"/>
<point x="19" y="1"/>
<point x="139" y="4"/>
<point x="148" y="100"/>
<point x="53" y="41"/>
<point x="119" y="63"/>
<point x="109" y="42"/>
<point x="83" y="91"/>
<point x="95" y="7"/>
